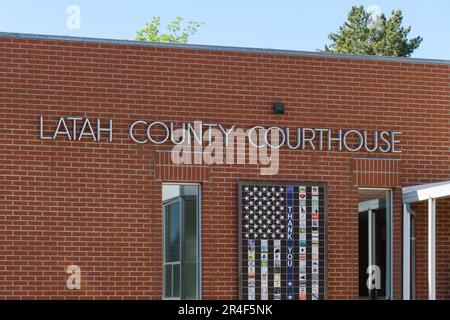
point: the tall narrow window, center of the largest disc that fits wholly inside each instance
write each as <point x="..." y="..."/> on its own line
<point x="374" y="218"/>
<point x="181" y="241"/>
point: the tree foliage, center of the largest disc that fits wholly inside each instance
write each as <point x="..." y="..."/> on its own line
<point x="366" y="34"/>
<point x="179" y="32"/>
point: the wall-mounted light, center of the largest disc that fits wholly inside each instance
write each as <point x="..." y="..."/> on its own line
<point x="278" y="107"/>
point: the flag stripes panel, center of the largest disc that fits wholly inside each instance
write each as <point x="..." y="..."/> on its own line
<point x="283" y="233"/>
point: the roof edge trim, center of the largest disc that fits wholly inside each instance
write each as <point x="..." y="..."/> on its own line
<point x="222" y="48"/>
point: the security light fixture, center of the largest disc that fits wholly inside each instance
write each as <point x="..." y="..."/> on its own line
<point x="278" y="107"/>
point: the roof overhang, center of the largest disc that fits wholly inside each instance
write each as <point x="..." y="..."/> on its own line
<point x="426" y="191"/>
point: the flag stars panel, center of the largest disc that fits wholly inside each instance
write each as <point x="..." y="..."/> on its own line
<point x="264" y="212"/>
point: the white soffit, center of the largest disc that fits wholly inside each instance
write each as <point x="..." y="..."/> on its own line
<point x="426" y="191"/>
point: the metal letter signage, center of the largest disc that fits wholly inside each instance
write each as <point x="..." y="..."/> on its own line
<point x="75" y="128"/>
<point x="282" y="248"/>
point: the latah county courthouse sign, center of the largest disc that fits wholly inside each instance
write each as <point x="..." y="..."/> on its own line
<point x="158" y="132"/>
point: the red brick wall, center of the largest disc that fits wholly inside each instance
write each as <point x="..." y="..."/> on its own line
<point x="98" y="205"/>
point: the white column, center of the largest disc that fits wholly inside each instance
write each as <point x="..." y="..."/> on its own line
<point x="406" y="253"/>
<point x="370" y="238"/>
<point x="432" y="249"/>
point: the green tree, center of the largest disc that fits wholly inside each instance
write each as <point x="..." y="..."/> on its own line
<point x="364" y="33"/>
<point x="179" y="32"/>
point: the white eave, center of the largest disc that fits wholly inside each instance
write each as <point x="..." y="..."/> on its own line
<point x="426" y="191"/>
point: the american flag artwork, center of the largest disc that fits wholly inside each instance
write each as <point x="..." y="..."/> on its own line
<point x="283" y="241"/>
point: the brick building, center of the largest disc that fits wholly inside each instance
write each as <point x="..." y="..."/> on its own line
<point x="95" y="199"/>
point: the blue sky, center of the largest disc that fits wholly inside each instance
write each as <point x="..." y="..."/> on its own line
<point x="276" y="24"/>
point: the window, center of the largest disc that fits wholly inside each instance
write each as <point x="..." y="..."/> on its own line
<point x="181" y="241"/>
<point x="374" y="219"/>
